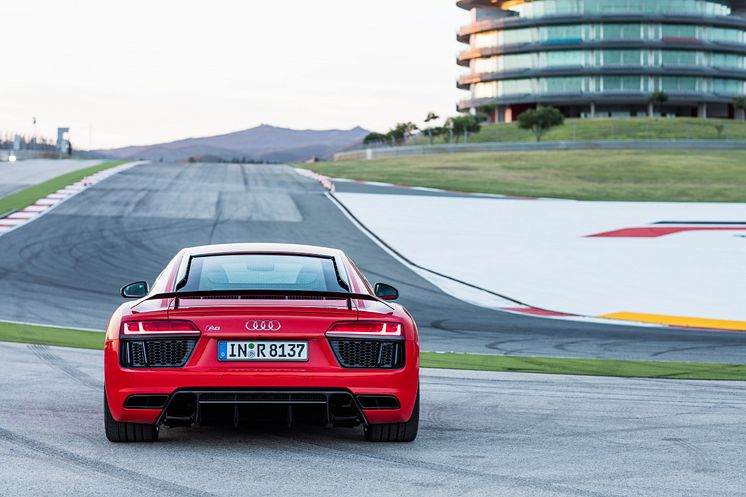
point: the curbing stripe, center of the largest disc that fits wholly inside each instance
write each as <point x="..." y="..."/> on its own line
<point x="679" y="321"/>
<point x="538" y="312"/>
<point x="657" y="232"/>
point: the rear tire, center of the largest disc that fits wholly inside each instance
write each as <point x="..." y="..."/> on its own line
<point x="396" y="432"/>
<point x="127" y="432"/>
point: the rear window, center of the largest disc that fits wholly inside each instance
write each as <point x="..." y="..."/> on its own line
<point x="262" y="272"/>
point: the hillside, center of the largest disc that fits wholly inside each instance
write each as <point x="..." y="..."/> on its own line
<point x="262" y="143"/>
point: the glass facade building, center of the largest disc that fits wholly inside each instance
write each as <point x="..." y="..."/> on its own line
<point x="593" y="58"/>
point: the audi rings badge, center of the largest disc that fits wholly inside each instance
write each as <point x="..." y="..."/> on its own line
<point x="255" y="325"/>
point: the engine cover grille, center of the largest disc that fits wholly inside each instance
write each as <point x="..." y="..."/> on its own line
<point x="368" y="354"/>
<point x="160" y="353"/>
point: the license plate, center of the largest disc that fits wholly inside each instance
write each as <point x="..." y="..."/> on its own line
<point x="262" y="351"/>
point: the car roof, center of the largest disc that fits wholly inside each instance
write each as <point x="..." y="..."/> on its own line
<point x="276" y="248"/>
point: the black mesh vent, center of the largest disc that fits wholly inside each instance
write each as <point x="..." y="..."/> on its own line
<point x="156" y="353"/>
<point x="371" y="354"/>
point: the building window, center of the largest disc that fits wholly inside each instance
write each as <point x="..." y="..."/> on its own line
<point x="577" y="33"/>
<point x="727" y="86"/>
<point x="485" y="90"/>
<point x="518" y="36"/>
<point x="490" y="64"/>
<point x="678" y="84"/>
<point x="572" y="84"/>
<point x="563" y="34"/>
<point x="565" y="58"/>
<point x="679" y="58"/>
<point x="620" y="57"/>
<point x="679" y="31"/>
<point x="725" y="35"/>
<point x="546" y="8"/>
<point x="485" y="40"/>
<point x="730" y="61"/>
<point x="516" y="87"/>
<point x="517" y="62"/>
<point x="621" y="83"/>
<point x="513" y="62"/>
<point x="622" y="32"/>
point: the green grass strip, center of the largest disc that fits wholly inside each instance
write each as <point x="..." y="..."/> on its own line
<point x="623" y="175"/>
<point x="63" y="337"/>
<point x="586" y="367"/>
<point x="29" y="195"/>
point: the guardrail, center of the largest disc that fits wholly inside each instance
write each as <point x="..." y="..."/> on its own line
<point x="377" y="153"/>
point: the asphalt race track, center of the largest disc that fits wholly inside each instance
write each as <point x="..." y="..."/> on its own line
<point x="482" y="434"/>
<point x="66" y="267"/>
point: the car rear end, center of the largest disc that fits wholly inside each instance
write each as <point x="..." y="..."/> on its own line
<point x="228" y="356"/>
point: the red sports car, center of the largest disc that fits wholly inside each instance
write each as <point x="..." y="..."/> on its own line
<point x="255" y="333"/>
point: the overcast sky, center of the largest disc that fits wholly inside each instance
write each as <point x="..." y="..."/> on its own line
<point x="148" y="71"/>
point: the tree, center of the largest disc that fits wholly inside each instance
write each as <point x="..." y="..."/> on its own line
<point x="539" y="121"/>
<point x="657" y="97"/>
<point x="408" y="128"/>
<point x="434" y="132"/>
<point x="375" y="139"/>
<point x="431" y="116"/>
<point x="463" y="125"/>
<point x="487" y="111"/>
<point x="395" y="135"/>
<point x="399" y="133"/>
<point x="739" y="103"/>
<point x="719" y="128"/>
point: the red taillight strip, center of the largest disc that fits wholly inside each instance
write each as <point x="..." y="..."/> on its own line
<point x="365" y="329"/>
<point x="131" y="328"/>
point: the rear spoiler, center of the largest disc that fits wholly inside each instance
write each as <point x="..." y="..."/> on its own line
<point x="262" y="293"/>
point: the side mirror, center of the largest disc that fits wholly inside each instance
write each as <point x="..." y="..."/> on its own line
<point x="135" y="290"/>
<point x="386" y="292"/>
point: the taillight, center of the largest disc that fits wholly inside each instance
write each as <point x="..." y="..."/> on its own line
<point x="365" y="328"/>
<point x="162" y="327"/>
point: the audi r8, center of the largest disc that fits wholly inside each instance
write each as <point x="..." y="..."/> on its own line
<point x="257" y="333"/>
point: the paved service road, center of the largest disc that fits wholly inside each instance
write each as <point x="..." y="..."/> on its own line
<point x="482" y="434"/>
<point x="66" y="267"/>
<point x="15" y="176"/>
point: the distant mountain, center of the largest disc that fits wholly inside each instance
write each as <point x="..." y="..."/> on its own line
<point x="263" y="143"/>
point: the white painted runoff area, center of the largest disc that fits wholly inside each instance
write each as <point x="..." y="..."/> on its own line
<point x="538" y="251"/>
<point x="15" y="176"/>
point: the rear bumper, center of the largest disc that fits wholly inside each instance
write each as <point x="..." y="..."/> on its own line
<point x="241" y="379"/>
<point x="339" y="407"/>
